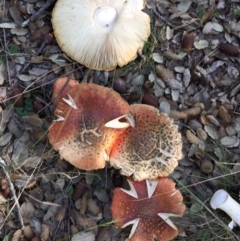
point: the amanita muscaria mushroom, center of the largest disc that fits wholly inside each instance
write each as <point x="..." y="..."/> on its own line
<point x="148" y="206"/>
<point x="90" y="118"/>
<point x="101" y="34"/>
<point x="151" y="149"/>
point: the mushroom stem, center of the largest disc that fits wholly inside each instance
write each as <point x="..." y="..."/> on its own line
<point x="222" y="200"/>
<point x="105" y="16"/>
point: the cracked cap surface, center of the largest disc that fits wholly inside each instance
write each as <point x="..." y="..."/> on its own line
<point x="149" y="214"/>
<point x="80" y="135"/>
<point x="151" y="149"/>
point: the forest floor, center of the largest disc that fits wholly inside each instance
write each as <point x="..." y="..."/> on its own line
<point x="189" y="69"/>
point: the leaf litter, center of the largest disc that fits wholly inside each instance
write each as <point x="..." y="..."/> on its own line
<point x="194" y="81"/>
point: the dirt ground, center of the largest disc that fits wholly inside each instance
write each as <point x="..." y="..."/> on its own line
<point x="188" y="69"/>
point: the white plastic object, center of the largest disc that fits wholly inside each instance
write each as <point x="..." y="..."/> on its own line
<point x="222" y="200"/>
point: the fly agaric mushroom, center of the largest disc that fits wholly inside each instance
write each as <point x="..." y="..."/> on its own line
<point x="90" y="117"/>
<point x="101" y="34"/>
<point x="148" y="206"/>
<point x="151" y="149"/>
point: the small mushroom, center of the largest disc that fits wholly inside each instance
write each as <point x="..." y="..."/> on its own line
<point x="101" y="34"/>
<point x="148" y="206"/>
<point x="151" y="149"/>
<point x="89" y="119"/>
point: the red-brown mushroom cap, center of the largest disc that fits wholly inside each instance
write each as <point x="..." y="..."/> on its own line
<point x="151" y="149"/>
<point x="61" y="87"/>
<point x="80" y="133"/>
<point x="148" y="206"/>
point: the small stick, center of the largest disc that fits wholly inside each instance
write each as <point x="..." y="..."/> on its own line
<point x="162" y="18"/>
<point x="5" y="170"/>
<point x="38" y="13"/>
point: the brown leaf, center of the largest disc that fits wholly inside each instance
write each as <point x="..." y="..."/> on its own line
<point x="45" y="232"/>
<point x="93" y="207"/>
<point x="27" y="232"/>
<point x="60" y="213"/>
<point x="87" y="223"/>
<point x="164" y="73"/>
<point x="27" y="210"/>
<point x="17" y="235"/>
<point x="192" y="138"/>
<point x="224" y="115"/>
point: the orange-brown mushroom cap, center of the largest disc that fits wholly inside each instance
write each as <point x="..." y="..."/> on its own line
<point x="61" y="87"/>
<point x="80" y="134"/>
<point x="151" y="149"/>
<point x="149" y="207"/>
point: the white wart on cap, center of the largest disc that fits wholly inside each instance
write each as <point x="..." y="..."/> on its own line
<point x="101" y="34"/>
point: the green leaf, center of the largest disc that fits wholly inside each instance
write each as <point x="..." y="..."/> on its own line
<point x="200" y="14"/>
<point x="237" y="12"/>
<point x="98" y="188"/>
<point x="6" y="238"/>
<point x="196" y="208"/>
<point x="70" y="191"/>
<point x="13" y="49"/>
<point x="217" y="14"/>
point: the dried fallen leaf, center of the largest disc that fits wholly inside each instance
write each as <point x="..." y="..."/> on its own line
<point x="8" y="25"/>
<point x="224" y="115"/>
<point x="51" y="212"/>
<point x="27" y="210"/>
<point x="183" y="6"/>
<point x="201" y="44"/>
<point x="2" y="200"/>
<point x="157" y="58"/>
<point x="83" y="204"/>
<point x="230" y="141"/>
<point x="169" y="33"/>
<point x="17" y="235"/>
<point x="31" y="162"/>
<point x="87" y="223"/>
<point x="174" y="56"/>
<point x="164" y="73"/>
<point x="212" y="26"/>
<point x="19" y="31"/>
<point x="45" y="232"/>
<point x="27" y="232"/>
<point x="83" y="236"/>
<point x="93" y="207"/>
<point x="60" y="213"/>
<point x="102" y="195"/>
<point x="212" y="131"/>
<point x="24" y="77"/>
<point x="192" y="138"/>
<point x="5" y="138"/>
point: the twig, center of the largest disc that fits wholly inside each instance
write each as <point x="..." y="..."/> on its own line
<point x="181" y="124"/>
<point x="38" y="13"/>
<point x="5" y="170"/>
<point x="162" y="18"/>
<point x="43" y="45"/>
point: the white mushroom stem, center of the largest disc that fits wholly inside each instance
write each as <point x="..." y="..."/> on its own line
<point x="105" y="16"/>
<point x="222" y="200"/>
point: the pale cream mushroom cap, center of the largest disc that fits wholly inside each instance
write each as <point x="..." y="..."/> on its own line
<point x="101" y="34"/>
